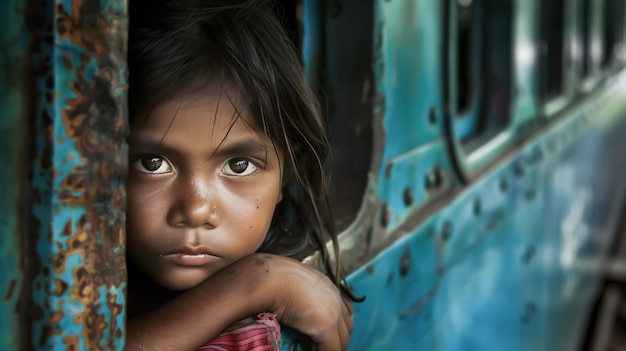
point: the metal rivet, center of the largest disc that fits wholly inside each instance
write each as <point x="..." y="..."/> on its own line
<point x="519" y="169"/>
<point x="432" y="115"/>
<point x="477" y="207"/>
<point x="528" y="254"/>
<point x="405" y="262"/>
<point x="407" y="196"/>
<point x="446" y="231"/>
<point x="434" y="178"/>
<point x="504" y="184"/>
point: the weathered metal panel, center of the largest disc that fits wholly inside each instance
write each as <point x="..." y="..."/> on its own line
<point x="415" y="168"/>
<point x="78" y="181"/>
<point x="13" y="181"/>
<point x="501" y="266"/>
<point x="64" y="79"/>
<point x="495" y="264"/>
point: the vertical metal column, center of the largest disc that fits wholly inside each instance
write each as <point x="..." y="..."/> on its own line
<point x="13" y="125"/>
<point x="62" y="167"/>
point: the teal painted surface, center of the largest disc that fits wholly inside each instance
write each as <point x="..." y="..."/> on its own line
<point x="311" y="21"/>
<point x="498" y="268"/>
<point x="407" y="69"/>
<point x="79" y="168"/>
<point x="492" y="258"/>
<point x="415" y="164"/>
<point x="64" y="89"/>
<point x="14" y="100"/>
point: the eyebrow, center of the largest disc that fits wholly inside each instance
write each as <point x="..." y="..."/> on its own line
<point x="247" y="146"/>
<point x="244" y="146"/>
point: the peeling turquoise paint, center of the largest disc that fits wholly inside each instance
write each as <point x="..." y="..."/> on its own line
<point x="69" y="118"/>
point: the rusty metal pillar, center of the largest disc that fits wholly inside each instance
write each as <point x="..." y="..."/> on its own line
<point x="63" y="95"/>
<point x="13" y="126"/>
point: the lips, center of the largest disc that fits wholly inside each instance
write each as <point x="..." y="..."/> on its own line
<point x="191" y="256"/>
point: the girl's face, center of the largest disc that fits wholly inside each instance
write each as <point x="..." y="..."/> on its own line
<point x="201" y="190"/>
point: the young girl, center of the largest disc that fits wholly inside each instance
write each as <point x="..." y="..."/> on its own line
<point x="226" y="180"/>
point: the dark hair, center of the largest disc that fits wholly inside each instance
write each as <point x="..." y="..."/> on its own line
<point x="173" y="43"/>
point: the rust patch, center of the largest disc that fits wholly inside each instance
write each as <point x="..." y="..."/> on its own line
<point x="56" y="317"/>
<point x="67" y="229"/>
<point x="71" y="342"/>
<point x="91" y="121"/>
<point x="385" y="215"/>
<point x="60" y="287"/>
<point x="9" y="293"/>
<point x="405" y="262"/>
<point x="388" y="170"/>
<point x="58" y="262"/>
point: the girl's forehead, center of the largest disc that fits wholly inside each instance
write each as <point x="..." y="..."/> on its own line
<point x="216" y="96"/>
<point x="215" y="111"/>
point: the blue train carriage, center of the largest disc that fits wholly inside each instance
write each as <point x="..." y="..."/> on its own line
<point x="495" y="191"/>
<point x="479" y="154"/>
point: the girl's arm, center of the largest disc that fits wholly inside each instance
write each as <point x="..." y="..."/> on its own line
<point x="302" y="297"/>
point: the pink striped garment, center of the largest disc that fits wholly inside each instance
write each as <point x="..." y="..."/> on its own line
<point x="260" y="334"/>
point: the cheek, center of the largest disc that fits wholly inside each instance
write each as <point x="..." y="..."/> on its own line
<point x="252" y="214"/>
<point x="146" y="207"/>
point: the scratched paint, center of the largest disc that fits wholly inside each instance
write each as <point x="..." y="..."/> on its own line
<point x="79" y="166"/>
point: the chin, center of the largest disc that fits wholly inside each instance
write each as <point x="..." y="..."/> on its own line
<point x="182" y="282"/>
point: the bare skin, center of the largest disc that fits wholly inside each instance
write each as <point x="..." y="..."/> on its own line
<point x="202" y="190"/>
<point x="302" y="297"/>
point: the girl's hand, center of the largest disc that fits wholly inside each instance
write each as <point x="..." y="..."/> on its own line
<point x="302" y="298"/>
<point x="306" y="300"/>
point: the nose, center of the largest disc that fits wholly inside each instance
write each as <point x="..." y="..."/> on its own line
<point x="195" y="205"/>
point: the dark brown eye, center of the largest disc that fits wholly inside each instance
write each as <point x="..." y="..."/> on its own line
<point x="152" y="164"/>
<point x="239" y="167"/>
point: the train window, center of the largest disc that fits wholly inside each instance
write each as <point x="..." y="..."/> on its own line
<point x="552" y="29"/>
<point x="497" y="70"/>
<point x="337" y="62"/>
<point x="584" y="52"/>
<point x="480" y="79"/>
<point x="483" y="69"/>
<point x="613" y="33"/>
<point x="347" y="85"/>
<point x="466" y="32"/>
<point x="469" y="27"/>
